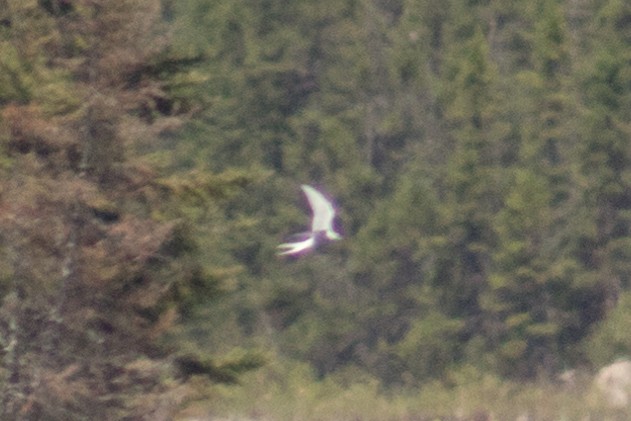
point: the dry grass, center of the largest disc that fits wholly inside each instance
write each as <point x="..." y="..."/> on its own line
<point x="289" y="392"/>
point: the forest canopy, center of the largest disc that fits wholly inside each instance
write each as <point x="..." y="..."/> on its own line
<point x="151" y="158"/>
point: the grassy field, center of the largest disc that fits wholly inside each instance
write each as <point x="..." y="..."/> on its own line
<point x="289" y="392"/>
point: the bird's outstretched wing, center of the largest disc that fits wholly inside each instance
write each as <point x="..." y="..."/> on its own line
<point x="323" y="212"/>
<point x="296" y="247"/>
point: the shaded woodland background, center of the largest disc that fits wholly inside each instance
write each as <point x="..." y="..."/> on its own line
<point x="152" y="153"/>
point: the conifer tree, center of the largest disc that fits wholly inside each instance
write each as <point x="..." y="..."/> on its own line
<point x="470" y="186"/>
<point x="93" y="271"/>
<point x="529" y="281"/>
<point x="603" y="158"/>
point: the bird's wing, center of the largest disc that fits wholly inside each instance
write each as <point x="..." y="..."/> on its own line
<point x="301" y="236"/>
<point x="297" y="247"/>
<point x="323" y="211"/>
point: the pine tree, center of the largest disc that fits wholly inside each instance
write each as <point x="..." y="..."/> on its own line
<point x="470" y="186"/>
<point x="603" y="157"/>
<point x="93" y="271"/>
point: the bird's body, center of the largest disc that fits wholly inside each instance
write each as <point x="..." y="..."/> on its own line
<point x="321" y="225"/>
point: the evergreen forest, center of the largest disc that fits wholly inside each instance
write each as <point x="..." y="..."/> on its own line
<point x="151" y="158"/>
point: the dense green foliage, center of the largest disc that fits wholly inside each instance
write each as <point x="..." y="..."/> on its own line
<point x="152" y="152"/>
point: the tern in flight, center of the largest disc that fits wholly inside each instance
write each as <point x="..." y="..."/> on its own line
<point x="321" y="225"/>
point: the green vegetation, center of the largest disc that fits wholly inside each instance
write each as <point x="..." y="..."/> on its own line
<point x="151" y="153"/>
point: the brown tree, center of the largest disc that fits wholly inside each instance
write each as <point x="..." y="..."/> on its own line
<point x="91" y="269"/>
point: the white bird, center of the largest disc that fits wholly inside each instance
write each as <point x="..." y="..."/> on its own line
<point x="321" y="224"/>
